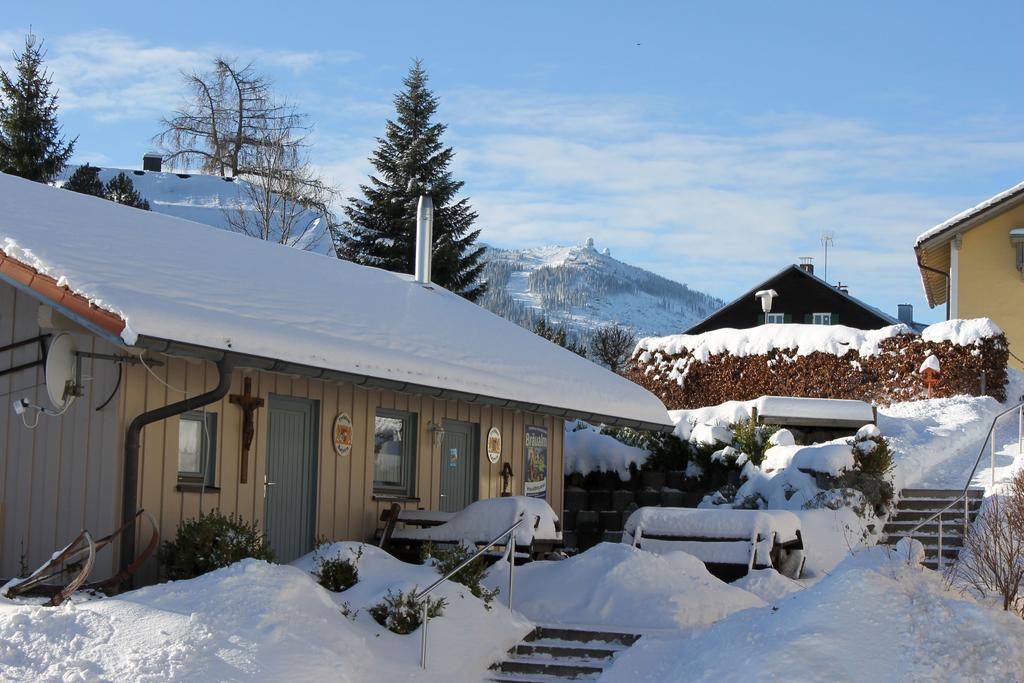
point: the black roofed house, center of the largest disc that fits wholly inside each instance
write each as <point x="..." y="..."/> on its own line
<point x="797" y="295"/>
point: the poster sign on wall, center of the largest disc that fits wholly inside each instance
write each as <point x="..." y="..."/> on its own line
<point x="536" y="446"/>
<point x="342" y="434"/>
<point x="494" y="445"/>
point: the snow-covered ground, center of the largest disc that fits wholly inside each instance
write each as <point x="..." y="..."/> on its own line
<point x="255" y="621"/>
<point x="874" y="618"/>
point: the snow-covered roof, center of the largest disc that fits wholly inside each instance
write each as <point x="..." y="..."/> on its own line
<point x="990" y="203"/>
<point x="171" y="279"/>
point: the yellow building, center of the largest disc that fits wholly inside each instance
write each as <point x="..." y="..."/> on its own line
<point x="217" y="371"/>
<point x="973" y="264"/>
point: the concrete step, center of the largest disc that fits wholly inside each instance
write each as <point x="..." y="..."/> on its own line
<point x="936" y="504"/>
<point x="928" y="529"/>
<point x="940" y="493"/>
<point x="922" y="515"/>
<point x="561" y="651"/>
<point x="571" y="669"/>
<point x="561" y="633"/>
<point x="509" y="677"/>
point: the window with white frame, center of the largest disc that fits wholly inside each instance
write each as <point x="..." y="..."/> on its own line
<point x="197" y="451"/>
<point x="394" y="452"/>
<point x="774" y="318"/>
<point x="822" y="319"/>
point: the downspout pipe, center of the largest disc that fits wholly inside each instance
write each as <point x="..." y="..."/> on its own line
<point x="133" y="439"/>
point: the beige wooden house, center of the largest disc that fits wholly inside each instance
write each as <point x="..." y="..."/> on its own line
<point x="298" y="391"/>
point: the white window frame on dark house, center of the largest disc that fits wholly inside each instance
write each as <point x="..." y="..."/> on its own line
<point x="774" y="318"/>
<point x="392" y="478"/>
<point x="197" y="448"/>
<point x="821" y="318"/>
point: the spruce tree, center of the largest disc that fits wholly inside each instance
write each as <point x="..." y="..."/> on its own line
<point x="86" y="180"/>
<point x="31" y="145"/>
<point x="121" y="189"/>
<point x="410" y="160"/>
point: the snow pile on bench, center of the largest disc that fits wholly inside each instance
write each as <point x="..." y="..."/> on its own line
<point x="718" y="536"/>
<point x="791" y="410"/>
<point x="616" y="586"/>
<point x="588" y="450"/>
<point x="482" y="521"/>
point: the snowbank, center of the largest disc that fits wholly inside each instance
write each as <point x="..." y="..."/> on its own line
<point x="617" y="586"/>
<point x="804" y="339"/>
<point x="588" y="450"/>
<point x="729" y="412"/>
<point x="768" y="584"/>
<point x="961" y="332"/>
<point x="875" y="618"/>
<point x="485" y="519"/>
<point x="828" y="458"/>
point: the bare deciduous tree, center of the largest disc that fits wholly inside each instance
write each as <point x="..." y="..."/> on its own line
<point x="992" y="559"/>
<point x="612" y="345"/>
<point x="282" y="198"/>
<point x="225" y="120"/>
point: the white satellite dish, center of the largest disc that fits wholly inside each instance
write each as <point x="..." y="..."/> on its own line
<point x="60" y="371"/>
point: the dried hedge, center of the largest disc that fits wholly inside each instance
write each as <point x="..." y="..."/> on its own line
<point x="890" y="375"/>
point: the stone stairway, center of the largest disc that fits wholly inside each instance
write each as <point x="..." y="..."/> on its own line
<point x="555" y="653"/>
<point x="917" y="505"/>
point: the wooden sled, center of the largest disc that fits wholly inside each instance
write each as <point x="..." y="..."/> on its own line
<point x="81" y="551"/>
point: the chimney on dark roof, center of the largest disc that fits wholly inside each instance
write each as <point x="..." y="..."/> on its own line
<point x="845" y="289"/>
<point x="905" y="313"/>
<point x="152" y="162"/>
<point x="807" y="264"/>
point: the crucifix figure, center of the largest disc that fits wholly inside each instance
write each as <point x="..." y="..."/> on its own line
<point x="248" y="403"/>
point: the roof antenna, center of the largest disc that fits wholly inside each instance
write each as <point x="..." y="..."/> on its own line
<point x="826" y="241"/>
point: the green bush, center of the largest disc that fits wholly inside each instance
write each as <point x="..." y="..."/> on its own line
<point x="338" y="574"/>
<point x="210" y="542"/>
<point x="872" y="456"/>
<point x="752" y="438"/>
<point x="402" y="613"/>
<point x="447" y="558"/>
<point x="668" y="451"/>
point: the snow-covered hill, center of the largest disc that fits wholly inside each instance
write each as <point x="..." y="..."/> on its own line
<point x="196" y="197"/>
<point x="584" y="289"/>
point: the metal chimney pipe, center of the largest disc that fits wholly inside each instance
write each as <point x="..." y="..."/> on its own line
<point x="424" y="238"/>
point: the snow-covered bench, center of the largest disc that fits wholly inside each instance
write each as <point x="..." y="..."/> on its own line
<point x="829" y="413"/>
<point x="477" y="524"/>
<point x="729" y="542"/>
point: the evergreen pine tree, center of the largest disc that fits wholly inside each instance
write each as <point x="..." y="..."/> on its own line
<point x="410" y="160"/>
<point x="31" y="145"/>
<point x="121" y="189"/>
<point x="86" y="180"/>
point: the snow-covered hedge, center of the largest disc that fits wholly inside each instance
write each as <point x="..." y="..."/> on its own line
<point x="687" y="371"/>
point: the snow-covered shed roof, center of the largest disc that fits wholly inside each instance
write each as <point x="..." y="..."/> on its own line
<point x="932" y="248"/>
<point x="145" y="279"/>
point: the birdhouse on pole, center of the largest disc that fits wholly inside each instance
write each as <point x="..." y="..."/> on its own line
<point x="931" y="371"/>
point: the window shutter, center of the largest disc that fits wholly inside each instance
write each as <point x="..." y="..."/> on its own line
<point x="835" y="318"/>
<point x="808" y="318"/>
<point x="760" y="318"/>
<point x="787" y="317"/>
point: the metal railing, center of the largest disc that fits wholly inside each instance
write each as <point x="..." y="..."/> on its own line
<point x="990" y="436"/>
<point x="510" y="552"/>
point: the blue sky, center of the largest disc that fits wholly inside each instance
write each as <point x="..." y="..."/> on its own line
<point x="711" y="143"/>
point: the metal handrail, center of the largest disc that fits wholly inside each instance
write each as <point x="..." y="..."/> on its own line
<point x="963" y="497"/>
<point x="511" y="569"/>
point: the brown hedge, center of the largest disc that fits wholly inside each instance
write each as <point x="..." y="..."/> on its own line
<point x="890" y="375"/>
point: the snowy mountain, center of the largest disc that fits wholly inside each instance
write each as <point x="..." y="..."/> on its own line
<point x="584" y="289"/>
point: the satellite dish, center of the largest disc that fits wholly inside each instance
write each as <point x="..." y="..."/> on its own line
<point x="60" y="371"/>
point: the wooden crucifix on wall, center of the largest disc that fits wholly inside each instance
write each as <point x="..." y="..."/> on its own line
<point x="248" y="403"/>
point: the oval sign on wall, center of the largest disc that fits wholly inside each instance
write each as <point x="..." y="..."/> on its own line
<point x="494" y="445"/>
<point x="343" y="434"/>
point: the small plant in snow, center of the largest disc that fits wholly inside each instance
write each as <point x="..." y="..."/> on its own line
<point x="348" y="612"/>
<point x="402" y="613"/>
<point x="338" y="574"/>
<point x="210" y="542"/>
<point x="447" y="558"/>
<point x="752" y="438"/>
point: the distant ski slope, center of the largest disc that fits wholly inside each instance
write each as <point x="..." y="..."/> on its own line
<point x="585" y="289"/>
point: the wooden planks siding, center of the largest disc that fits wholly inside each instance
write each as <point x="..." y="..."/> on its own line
<point x="346" y="506"/>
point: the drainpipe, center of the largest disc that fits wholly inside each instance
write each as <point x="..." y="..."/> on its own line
<point x="132" y="440"/>
<point x="938" y="272"/>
